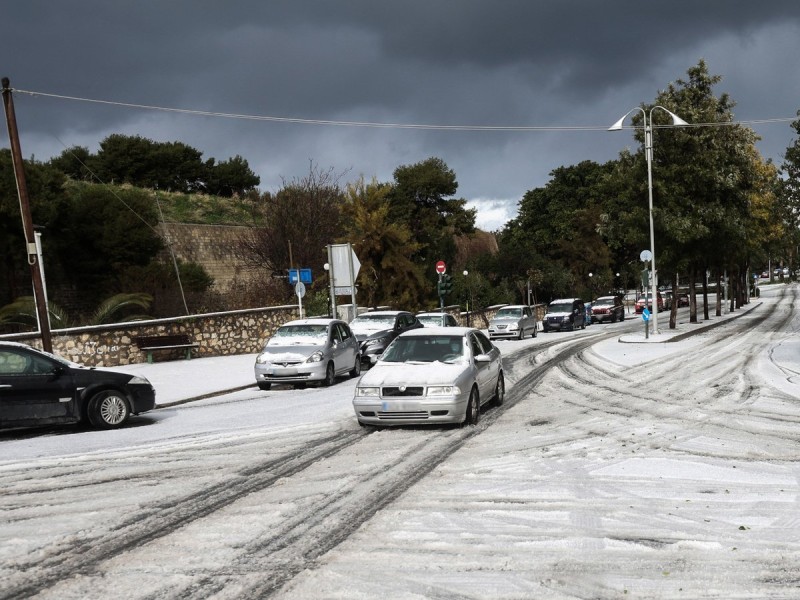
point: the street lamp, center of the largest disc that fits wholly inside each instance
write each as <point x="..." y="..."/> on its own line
<point x="648" y="150"/>
<point x="469" y="294"/>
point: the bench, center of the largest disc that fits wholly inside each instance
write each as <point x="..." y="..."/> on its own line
<point x="150" y="343"/>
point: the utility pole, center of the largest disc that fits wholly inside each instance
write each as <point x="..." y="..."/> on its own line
<point x="27" y="221"/>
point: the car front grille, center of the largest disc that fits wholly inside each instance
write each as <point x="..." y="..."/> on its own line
<point x="394" y="392"/>
<point x="396" y="416"/>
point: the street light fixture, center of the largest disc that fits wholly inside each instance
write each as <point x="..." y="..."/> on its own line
<point x="648" y="150"/>
<point x="469" y="294"/>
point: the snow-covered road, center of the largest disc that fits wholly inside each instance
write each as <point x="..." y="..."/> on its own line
<point x="662" y="470"/>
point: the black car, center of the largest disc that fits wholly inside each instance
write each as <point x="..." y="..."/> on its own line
<point x="376" y="330"/>
<point x="565" y="314"/>
<point x="38" y="388"/>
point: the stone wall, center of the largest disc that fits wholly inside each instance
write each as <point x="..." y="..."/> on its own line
<point x="217" y="334"/>
<point x="212" y="246"/>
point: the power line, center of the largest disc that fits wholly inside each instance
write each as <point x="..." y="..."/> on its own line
<point x="378" y="125"/>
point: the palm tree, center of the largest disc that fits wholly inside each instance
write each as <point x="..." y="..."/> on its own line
<point x="22" y="312"/>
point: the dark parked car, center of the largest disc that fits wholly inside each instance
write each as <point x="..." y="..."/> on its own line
<point x="608" y="309"/>
<point x="38" y="388"/>
<point x="565" y="314"/>
<point x="376" y="330"/>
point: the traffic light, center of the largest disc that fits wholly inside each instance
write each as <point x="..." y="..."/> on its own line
<point x="445" y="285"/>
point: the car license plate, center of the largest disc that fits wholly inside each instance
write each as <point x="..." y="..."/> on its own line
<point x="397" y="406"/>
<point x="283" y="371"/>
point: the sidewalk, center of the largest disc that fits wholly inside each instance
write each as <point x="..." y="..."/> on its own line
<point x="180" y="381"/>
<point x="632" y="349"/>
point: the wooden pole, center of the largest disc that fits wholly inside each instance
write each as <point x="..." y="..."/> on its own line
<point x="27" y="221"/>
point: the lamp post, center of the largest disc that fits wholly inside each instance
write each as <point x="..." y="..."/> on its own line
<point x="469" y="296"/>
<point x="648" y="150"/>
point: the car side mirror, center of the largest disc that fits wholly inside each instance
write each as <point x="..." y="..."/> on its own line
<point x="483" y="358"/>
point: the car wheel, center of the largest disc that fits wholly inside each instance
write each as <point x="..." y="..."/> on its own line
<point x="300" y="386"/>
<point x="264" y="386"/>
<point x="473" y="413"/>
<point x="356" y="367"/>
<point x="108" y="409"/>
<point x="500" y="390"/>
<point x="330" y="376"/>
<point x="521" y="335"/>
<point x="535" y="331"/>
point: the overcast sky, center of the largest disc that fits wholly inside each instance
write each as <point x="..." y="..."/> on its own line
<point x="512" y="63"/>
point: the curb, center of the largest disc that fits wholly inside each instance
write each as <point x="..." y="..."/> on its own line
<point x="701" y="327"/>
<point x="204" y="396"/>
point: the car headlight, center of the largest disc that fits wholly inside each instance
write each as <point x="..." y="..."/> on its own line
<point x="316" y="357"/>
<point x="138" y="379"/>
<point x="376" y="341"/>
<point x="367" y="392"/>
<point x="262" y="359"/>
<point x="513" y="326"/>
<point x="443" y="390"/>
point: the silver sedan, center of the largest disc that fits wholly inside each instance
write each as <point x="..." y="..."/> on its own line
<point x="432" y="375"/>
<point x="308" y="350"/>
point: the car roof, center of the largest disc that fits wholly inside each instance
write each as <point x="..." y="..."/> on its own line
<point x="514" y="306"/>
<point x="432" y="314"/>
<point x="17" y="345"/>
<point x="607" y="298"/>
<point x="385" y="313"/>
<point x="313" y="321"/>
<point x="566" y="300"/>
<point x="427" y="331"/>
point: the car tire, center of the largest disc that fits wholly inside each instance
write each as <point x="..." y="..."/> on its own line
<point x="356" y="367"/>
<point x="330" y="375"/>
<point x="473" y="413"/>
<point x="500" y="390"/>
<point x="108" y="409"/>
<point x="264" y="386"/>
<point x="521" y="335"/>
<point x="535" y="331"/>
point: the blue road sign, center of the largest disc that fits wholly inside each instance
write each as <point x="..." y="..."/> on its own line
<point x="645" y="315"/>
<point x="301" y="275"/>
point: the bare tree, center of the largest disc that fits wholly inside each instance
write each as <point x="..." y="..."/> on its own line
<point x="303" y="217"/>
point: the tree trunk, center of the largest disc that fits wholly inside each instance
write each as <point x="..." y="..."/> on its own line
<point x="705" y="295"/>
<point x="673" y="309"/>
<point x="719" y="293"/>
<point x="692" y="296"/>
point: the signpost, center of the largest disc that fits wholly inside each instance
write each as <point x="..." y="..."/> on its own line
<point x="343" y="271"/>
<point x="646" y="319"/>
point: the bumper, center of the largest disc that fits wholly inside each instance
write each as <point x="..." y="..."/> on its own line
<point x="557" y="326"/>
<point x="295" y="373"/>
<point x="504" y="334"/>
<point x="142" y="398"/>
<point x="410" y="411"/>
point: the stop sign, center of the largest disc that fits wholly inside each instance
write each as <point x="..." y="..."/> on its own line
<point x="441" y="267"/>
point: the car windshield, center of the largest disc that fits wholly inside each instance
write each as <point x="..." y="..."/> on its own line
<point x="372" y="321"/>
<point x="289" y="335"/>
<point x="425" y="349"/>
<point x="603" y="302"/>
<point x="431" y="319"/>
<point x="560" y="307"/>
<point x="509" y="313"/>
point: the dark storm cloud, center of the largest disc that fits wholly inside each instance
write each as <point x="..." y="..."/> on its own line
<point x="448" y="62"/>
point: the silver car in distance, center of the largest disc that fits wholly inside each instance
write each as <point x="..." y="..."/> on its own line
<point x="308" y="350"/>
<point x="432" y="375"/>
